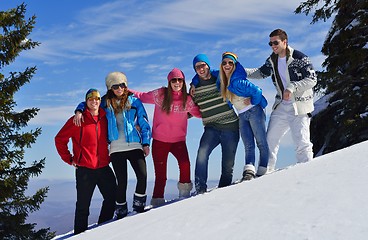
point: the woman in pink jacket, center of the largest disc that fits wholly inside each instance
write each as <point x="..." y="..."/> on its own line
<point x="170" y="122"/>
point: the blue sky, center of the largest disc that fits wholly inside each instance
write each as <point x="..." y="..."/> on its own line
<point x="82" y="41"/>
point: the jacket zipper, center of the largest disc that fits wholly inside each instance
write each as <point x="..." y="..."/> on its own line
<point x="98" y="143"/>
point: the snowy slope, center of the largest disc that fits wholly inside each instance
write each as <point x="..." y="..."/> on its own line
<point x="322" y="199"/>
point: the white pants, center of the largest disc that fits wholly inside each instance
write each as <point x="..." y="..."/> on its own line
<point x="282" y="120"/>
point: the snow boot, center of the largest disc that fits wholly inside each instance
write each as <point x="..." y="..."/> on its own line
<point x="121" y="210"/>
<point x="139" y="202"/>
<point x="184" y="189"/>
<point x="156" y="202"/>
<point x="261" y="171"/>
<point x="249" y="172"/>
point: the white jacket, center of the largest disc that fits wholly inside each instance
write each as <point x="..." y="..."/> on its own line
<point x="301" y="78"/>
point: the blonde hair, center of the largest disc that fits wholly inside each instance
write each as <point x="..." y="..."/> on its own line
<point x="225" y="82"/>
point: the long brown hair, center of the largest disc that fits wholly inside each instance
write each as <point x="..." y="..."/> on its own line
<point x="117" y="103"/>
<point x="168" y="97"/>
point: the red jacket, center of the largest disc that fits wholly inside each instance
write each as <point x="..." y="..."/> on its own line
<point x="90" y="147"/>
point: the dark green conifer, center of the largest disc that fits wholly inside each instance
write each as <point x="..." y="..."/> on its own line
<point x="15" y="206"/>
<point x="343" y="83"/>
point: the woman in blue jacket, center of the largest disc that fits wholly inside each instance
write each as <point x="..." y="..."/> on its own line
<point x="129" y="134"/>
<point x="249" y="103"/>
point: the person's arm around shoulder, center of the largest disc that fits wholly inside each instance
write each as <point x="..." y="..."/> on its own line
<point x="193" y="108"/>
<point x="247" y="89"/>
<point x="259" y="73"/>
<point x="193" y="85"/>
<point x="78" y="116"/>
<point x="145" y="97"/>
<point x="192" y="90"/>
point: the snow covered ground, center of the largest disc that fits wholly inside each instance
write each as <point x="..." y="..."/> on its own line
<point x="322" y="199"/>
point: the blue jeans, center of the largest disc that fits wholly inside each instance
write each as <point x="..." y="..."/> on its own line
<point x="252" y="124"/>
<point x="210" y="139"/>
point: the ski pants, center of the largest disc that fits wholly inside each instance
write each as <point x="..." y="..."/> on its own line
<point x="120" y="164"/>
<point x="86" y="181"/>
<point x="160" y="152"/>
<point x="282" y="120"/>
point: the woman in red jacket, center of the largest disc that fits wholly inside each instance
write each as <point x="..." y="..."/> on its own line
<point x="91" y="159"/>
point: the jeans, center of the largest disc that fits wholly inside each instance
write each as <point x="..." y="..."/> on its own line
<point x="252" y="124"/>
<point x="86" y="181"/>
<point x="210" y="139"/>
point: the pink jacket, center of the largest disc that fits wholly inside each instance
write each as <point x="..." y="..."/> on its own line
<point x="169" y="127"/>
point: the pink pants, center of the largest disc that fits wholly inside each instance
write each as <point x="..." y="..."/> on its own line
<point x="160" y="152"/>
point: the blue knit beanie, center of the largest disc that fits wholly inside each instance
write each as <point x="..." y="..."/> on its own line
<point x="201" y="58"/>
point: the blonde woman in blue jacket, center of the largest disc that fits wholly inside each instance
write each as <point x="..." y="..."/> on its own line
<point x="249" y="103"/>
<point x="124" y="112"/>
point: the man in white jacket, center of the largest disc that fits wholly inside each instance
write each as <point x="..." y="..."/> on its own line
<point x="293" y="75"/>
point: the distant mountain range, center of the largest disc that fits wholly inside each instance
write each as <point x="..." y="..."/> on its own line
<point x="57" y="212"/>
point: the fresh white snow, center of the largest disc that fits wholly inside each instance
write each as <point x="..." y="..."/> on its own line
<point x="323" y="199"/>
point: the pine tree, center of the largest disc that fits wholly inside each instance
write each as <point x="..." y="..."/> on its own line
<point x="344" y="81"/>
<point x="14" y="172"/>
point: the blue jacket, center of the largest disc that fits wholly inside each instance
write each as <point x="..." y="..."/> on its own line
<point x="242" y="87"/>
<point x="135" y="116"/>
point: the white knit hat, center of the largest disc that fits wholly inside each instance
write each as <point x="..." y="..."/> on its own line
<point x="114" y="78"/>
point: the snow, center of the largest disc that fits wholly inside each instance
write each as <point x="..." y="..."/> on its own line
<point x="322" y="199"/>
<point x="322" y="103"/>
<point x="364" y="115"/>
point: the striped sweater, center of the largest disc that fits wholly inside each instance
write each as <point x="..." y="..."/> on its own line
<point x="215" y="112"/>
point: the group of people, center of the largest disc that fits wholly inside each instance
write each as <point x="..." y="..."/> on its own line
<point x="115" y="128"/>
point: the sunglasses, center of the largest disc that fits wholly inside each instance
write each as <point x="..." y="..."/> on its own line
<point x="116" y="86"/>
<point x="200" y="66"/>
<point x="274" y="43"/>
<point x="224" y="63"/>
<point x="94" y="99"/>
<point x="175" y="80"/>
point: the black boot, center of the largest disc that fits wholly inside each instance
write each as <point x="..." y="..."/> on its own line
<point x="139" y="202"/>
<point x="121" y="211"/>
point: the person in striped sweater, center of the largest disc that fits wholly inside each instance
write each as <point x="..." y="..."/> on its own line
<point x="221" y="125"/>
